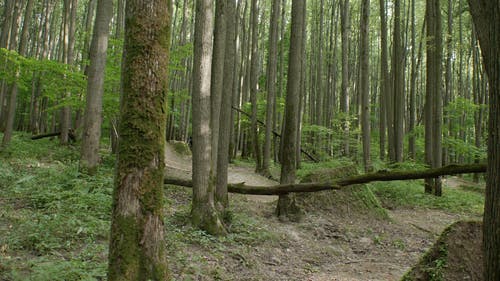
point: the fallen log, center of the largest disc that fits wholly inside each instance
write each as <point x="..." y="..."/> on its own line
<point x="382" y="175"/>
<point x="48" y="135"/>
<point x="276" y="134"/>
<point x="71" y="135"/>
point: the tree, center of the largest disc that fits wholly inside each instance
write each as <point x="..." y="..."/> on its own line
<point x="384" y="81"/>
<point x="286" y="203"/>
<point x="344" y="95"/>
<point x="433" y="100"/>
<point x="272" y="63"/>
<point x="486" y="19"/>
<point x="95" y="87"/>
<point x="204" y="214"/>
<point x="397" y="107"/>
<point x="9" y="126"/>
<point x="364" y="58"/>
<point x="254" y="81"/>
<point x="225" y="117"/>
<point x="137" y="248"/>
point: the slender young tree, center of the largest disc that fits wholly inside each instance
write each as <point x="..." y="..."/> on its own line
<point x="204" y="214"/>
<point x="384" y="81"/>
<point x="398" y="85"/>
<point x="225" y="116"/>
<point x="254" y="81"/>
<point x="365" y="81"/>
<point x="486" y="19"/>
<point x="344" y="94"/>
<point x="286" y="203"/>
<point x="137" y="247"/>
<point x="272" y="63"/>
<point x="95" y="87"/>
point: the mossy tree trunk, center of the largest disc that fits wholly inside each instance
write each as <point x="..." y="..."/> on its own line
<point x="486" y="18"/>
<point x="137" y="247"/>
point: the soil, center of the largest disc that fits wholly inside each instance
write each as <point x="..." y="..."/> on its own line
<point x="324" y="246"/>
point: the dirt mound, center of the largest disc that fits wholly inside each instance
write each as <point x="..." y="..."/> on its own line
<point x="356" y="200"/>
<point x="455" y="256"/>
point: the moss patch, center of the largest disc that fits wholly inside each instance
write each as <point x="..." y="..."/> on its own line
<point x="456" y="255"/>
<point x="181" y="148"/>
<point x="349" y="201"/>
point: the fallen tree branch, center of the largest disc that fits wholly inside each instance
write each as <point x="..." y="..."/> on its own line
<point x="276" y="134"/>
<point x="48" y="135"/>
<point x="383" y="175"/>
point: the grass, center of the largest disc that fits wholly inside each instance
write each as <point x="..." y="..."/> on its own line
<point x="54" y="221"/>
<point x="410" y="194"/>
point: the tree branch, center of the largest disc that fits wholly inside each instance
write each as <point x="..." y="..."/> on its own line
<point x="383" y="175"/>
<point x="276" y="134"/>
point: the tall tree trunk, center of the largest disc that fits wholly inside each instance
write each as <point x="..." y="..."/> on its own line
<point x="364" y="55"/>
<point x="433" y="103"/>
<point x="486" y="18"/>
<point x="137" y="247"/>
<point x="344" y="94"/>
<point x="286" y="203"/>
<point x="272" y="63"/>
<point x="95" y="88"/>
<point x="413" y="88"/>
<point x="203" y="212"/>
<point x="227" y="102"/>
<point x="385" y="88"/>
<point x="216" y="85"/>
<point x="254" y="81"/>
<point x="398" y="82"/>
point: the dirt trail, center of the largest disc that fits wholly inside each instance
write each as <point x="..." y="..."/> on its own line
<point x="326" y="247"/>
<point x="177" y="165"/>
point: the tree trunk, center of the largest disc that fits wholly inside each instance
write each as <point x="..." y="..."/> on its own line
<point x="384" y="79"/>
<point x="137" y="247"/>
<point x="344" y="95"/>
<point x="286" y="203"/>
<point x="398" y="82"/>
<point x="272" y="63"/>
<point x="203" y="212"/>
<point x="486" y="18"/>
<point x="254" y="81"/>
<point x="95" y="88"/>
<point x="225" y="116"/>
<point x="433" y="103"/>
<point x="365" y="82"/>
<point x="216" y="84"/>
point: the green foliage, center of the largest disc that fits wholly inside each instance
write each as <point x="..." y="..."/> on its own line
<point x="56" y="220"/>
<point x="411" y="194"/>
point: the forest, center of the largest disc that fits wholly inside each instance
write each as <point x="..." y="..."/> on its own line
<point x="250" y="140"/>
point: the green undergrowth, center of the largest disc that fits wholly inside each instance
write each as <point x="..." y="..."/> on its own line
<point x="55" y="221"/>
<point x="410" y="194"/>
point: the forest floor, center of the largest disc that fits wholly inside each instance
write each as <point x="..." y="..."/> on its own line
<point x="54" y="224"/>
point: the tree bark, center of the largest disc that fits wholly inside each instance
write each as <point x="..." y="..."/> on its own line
<point x="365" y="82"/>
<point x="344" y="94"/>
<point x="272" y="63"/>
<point x="137" y="247"/>
<point x="203" y="213"/>
<point x="95" y="88"/>
<point x="486" y="19"/>
<point x="286" y="203"/>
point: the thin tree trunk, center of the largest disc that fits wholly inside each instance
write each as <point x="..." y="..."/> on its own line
<point x="364" y="55"/>
<point x="95" y="88"/>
